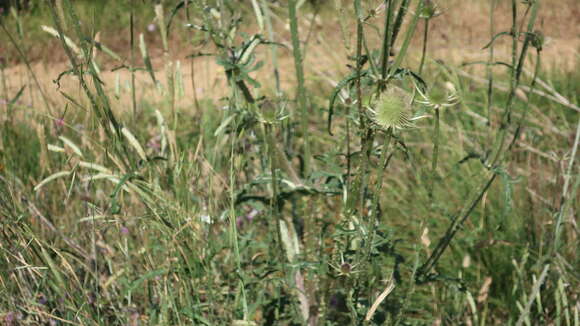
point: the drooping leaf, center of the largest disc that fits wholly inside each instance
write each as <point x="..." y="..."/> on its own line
<point x="494" y="38"/>
<point x="342" y="84"/>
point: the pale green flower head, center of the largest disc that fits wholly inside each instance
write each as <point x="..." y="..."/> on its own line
<point x="439" y="100"/>
<point x="392" y="109"/>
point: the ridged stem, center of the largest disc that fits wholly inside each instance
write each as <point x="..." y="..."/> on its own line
<point x="301" y="92"/>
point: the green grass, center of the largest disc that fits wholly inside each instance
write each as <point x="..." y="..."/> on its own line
<point x="216" y="213"/>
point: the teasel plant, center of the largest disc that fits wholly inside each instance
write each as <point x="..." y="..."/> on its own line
<point x="436" y="104"/>
<point x="381" y="108"/>
<point x="390" y="112"/>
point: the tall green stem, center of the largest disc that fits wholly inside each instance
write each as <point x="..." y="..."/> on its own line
<point x="386" y="41"/>
<point x="517" y="67"/>
<point x="234" y="232"/>
<point x="403" y="8"/>
<point x="301" y="93"/>
<point x="132" y="37"/>
<point x="424" y="51"/>
<point x="490" y="69"/>
<point x="359" y="186"/>
<point x="273" y="49"/>
<point x="377" y="194"/>
<point x="408" y="36"/>
<point x="5" y="91"/>
<point x="435" y="153"/>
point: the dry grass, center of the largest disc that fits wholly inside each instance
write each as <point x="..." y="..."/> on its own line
<point x="146" y="251"/>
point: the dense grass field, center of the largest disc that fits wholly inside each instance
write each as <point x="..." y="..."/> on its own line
<point x="339" y="162"/>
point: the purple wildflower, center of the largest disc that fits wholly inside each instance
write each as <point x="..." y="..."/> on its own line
<point x="91" y="298"/>
<point x="154" y="143"/>
<point x="59" y="124"/>
<point x="240" y="221"/>
<point x="10" y="316"/>
<point x="251" y="215"/>
<point x="124" y="230"/>
<point x="42" y="299"/>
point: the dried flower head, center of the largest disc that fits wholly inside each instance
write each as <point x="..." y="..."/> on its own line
<point x="344" y="268"/>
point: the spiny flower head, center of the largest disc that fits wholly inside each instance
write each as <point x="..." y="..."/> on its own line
<point x="439" y="100"/>
<point x="392" y="109"/>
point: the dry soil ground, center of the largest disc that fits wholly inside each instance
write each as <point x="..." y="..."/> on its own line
<point x="456" y="36"/>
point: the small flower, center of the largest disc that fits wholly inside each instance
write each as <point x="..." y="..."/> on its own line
<point x="246" y="219"/>
<point x="134" y="319"/>
<point x="42" y="299"/>
<point x="154" y="143"/>
<point x="124" y="230"/>
<point x="59" y="123"/>
<point x="251" y="215"/>
<point x="10" y="316"/>
<point x="151" y="27"/>
<point x="240" y="222"/>
<point x="91" y="299"/>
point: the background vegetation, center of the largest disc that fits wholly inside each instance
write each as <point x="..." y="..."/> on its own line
<point x="289" y="162"/>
